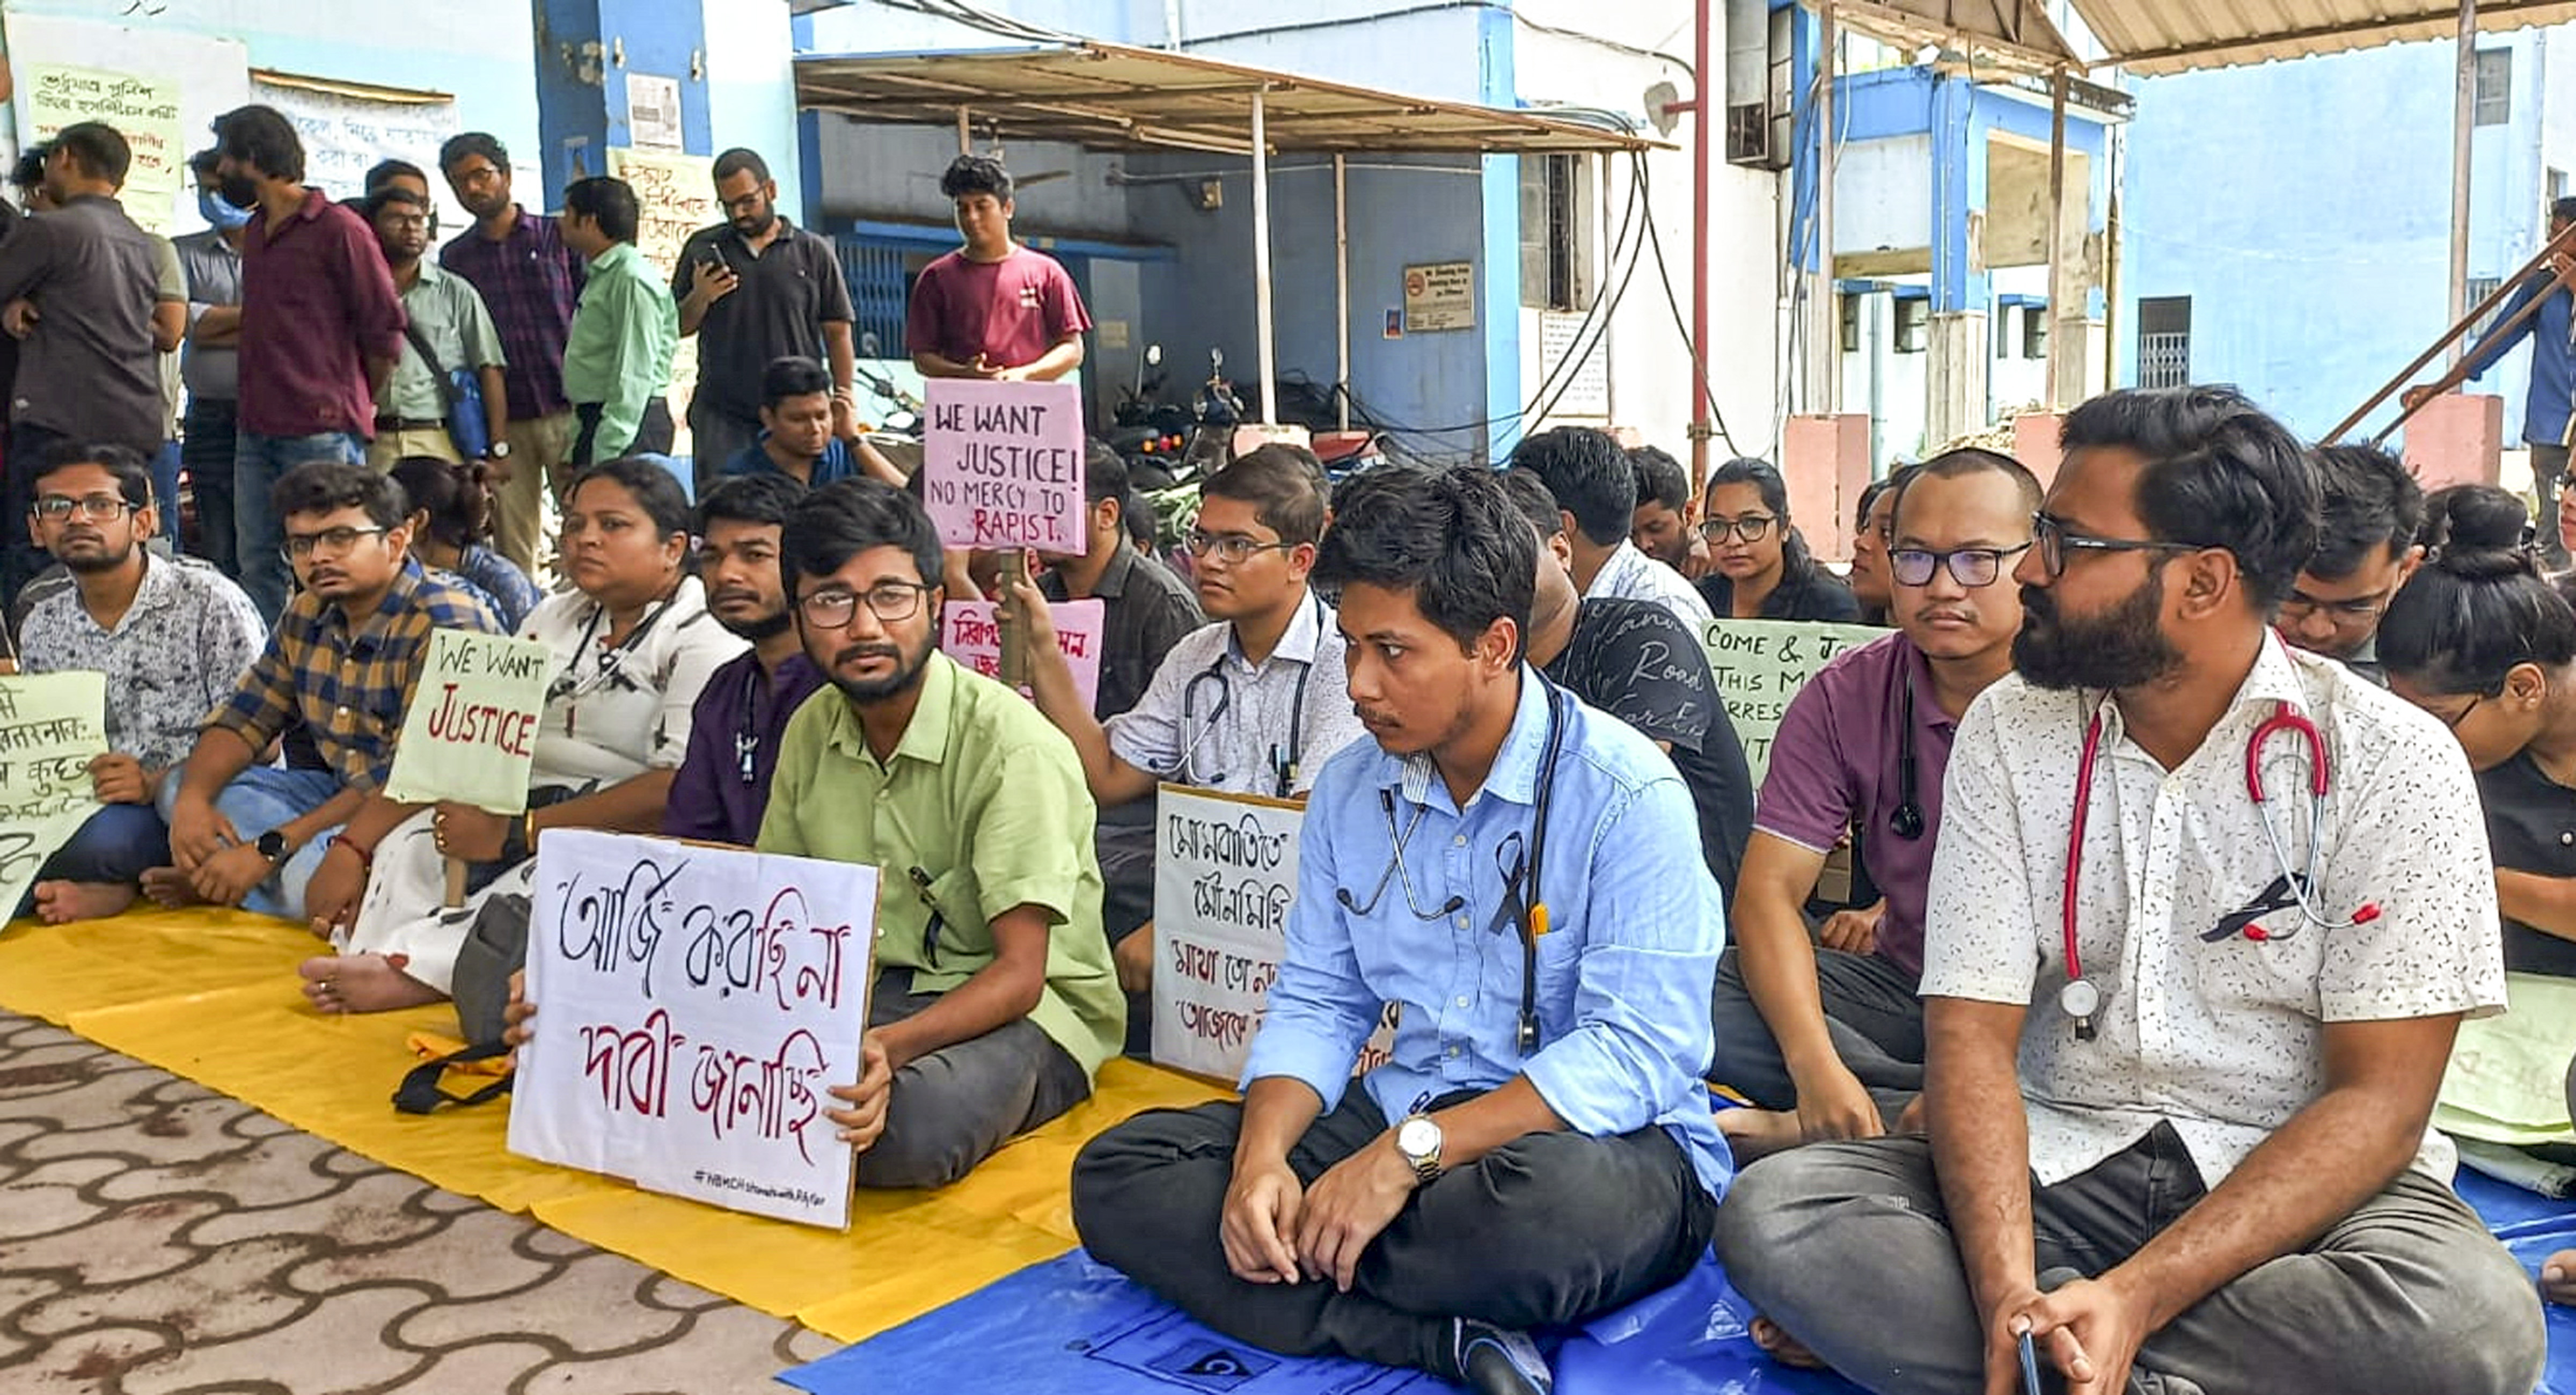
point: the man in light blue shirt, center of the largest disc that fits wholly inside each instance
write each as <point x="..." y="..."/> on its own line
<point x="1537" y="1149"/>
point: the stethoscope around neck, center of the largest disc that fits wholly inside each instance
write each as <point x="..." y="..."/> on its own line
<point x="1283" y="772"/>
<point x="1522" y="884"/>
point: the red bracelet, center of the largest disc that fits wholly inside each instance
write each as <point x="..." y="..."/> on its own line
<point x="366" y="859"/>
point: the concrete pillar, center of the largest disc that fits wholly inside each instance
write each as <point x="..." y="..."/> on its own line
<point x="1825" y="460"/>
<point x="1954" y="384"/>
<point x="734" y="66"/>
<point x="2456" y="439"/>
<point x="1961" y="348"/>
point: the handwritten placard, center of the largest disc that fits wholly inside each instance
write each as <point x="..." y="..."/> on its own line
<point x="346" y="133"/>
<point x="471" y="732"/>
<point x="143" y="109"/>
<point x="1760" y="665"/>
<point x="698" y="1003"/>
<point x="1225" y="878"/>
<point x="971" y="633"/>
<point x="1002" y="464"/>
<point x="52" y="726"/>
<point x="675" y="195"/>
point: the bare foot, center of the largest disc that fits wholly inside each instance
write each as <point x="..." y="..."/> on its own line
<point x="1777" y="1344"/>
<point x="363" y="983"/>
<point x="61" y="903"/>
<point x="169" y="887"/>
<point x="1758" y="1133"/>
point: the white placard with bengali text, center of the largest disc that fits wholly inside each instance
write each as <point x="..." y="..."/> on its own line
<point x="697" y="1003"/>
<point x="1225" y="877"/>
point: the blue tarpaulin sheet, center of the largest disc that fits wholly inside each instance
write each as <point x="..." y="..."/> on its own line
<point x="1072" y="1327"/>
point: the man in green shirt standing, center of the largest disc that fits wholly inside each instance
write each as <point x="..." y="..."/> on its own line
<point x="449" y="328"/>
<point x="617" y="355"/>
<point x="995" y="1001"/>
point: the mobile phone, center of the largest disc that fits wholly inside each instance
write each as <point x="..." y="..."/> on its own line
<point x="2029" y="1366"/>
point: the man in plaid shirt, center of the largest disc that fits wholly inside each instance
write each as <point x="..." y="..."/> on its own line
<point x="343" y="661"/>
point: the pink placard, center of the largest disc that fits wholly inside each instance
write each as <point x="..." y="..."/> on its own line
<point x="1002" y="464"/>
<point x="970" y="634"/>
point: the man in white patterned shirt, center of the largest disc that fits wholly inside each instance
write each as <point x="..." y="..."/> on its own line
<point x="173" y="636"/>
<point x="2212" y="1168"/>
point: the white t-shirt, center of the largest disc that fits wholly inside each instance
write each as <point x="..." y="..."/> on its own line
<point x="2225" y="1037"/>
<point x="614" y="712"/>
<point x="1632" y="575"/>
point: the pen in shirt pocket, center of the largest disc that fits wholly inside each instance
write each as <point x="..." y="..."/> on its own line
<point x="929" y="932"/>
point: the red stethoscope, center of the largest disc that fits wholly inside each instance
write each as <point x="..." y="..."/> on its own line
<point x="2080" y="999"/>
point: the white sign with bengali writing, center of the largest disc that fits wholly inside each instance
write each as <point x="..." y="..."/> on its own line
<point x="1759" y="665"/>
<point x="675" y="195"/>
<point x="52" y="726"/>
<point x="1440" y="295"/>
<point x="143" y="109"/>
<point x="1002" y="464"/>
<point x="1225" y="877"/>
<point x="346" y="133"/>
<point x="971" y="633"/>
<point x="697" y="1005"/>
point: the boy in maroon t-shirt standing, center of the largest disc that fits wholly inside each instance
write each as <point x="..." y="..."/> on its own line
<point x="992" y="309"/>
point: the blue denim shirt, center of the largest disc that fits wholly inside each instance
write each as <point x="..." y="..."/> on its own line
<point x="2553" y="377"/>
<point x="1625" y="973"/>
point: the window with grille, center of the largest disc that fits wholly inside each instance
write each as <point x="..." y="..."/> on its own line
<point x="1551" y="209"/>
<point x="2494" y="106"/>
<point x="2164" y="341"/>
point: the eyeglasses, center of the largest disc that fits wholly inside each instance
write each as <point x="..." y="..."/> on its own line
<point x="54" y="508"/>
<point x="887" y="600"/>
<point x="1750" y="527"/>
<point x="1233" y="549"/>
<point x="2453" y="721"/>
<point x="2356" y="612"/>
<point x="2054" y="539"/>
<point x="1969" y="566"/>
<point x="332" y="540"/>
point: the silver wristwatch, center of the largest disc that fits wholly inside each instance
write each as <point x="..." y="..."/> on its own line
<point x="1417" y="1141"/>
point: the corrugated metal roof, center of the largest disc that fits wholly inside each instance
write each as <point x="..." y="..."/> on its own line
<point x="1114" y="97"/>
<point x="2171" y="36"/>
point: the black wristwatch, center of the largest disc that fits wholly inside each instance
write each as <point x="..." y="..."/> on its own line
<point x="272" y="845"/>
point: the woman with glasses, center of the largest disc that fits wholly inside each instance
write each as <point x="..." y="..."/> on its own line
<point x="631" y="647"/>
<point x="2479" y="640"/>
<point x="1761" y="566"/>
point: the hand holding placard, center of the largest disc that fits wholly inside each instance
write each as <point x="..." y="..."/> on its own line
<point x="971" y="633"/>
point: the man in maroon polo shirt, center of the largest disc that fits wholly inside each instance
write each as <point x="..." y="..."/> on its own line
<point x="321" y="327"/>
<point x="992" y="308"/>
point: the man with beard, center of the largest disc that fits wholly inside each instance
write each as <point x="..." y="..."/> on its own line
<point x="722" y="788"/>
<point x="757" y="288"/>
<point x="2365" y="551"/>
<point x="995" y="1002"/>
<point x="1520" y="872"/>
<point x="2230" y="1014"/>
<point x="173" y="636"/>
<point x="1823" y="1032"/>
<point x="530" y="280"/>
<point x="343" y="661"/>
<point x="1666" y="523"/>
<point x="446" y="327"/>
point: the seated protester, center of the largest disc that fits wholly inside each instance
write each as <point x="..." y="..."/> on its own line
<point x="341" y="664"/>
<point x="1596" y="488"/>
<point x="1253" y="702"/>
<point x="1636" y="661"/>
<point x="631" y="647"/>
<point x="451" y="520"/>
<point x="1871" y="519"/>
<point x="1538" y="1148"/>
<point x="2480" y="641"/>
<point x="1825" y="1035"/>
<point x="173" y="636"/>
<point x="995" y="1002"/>
<point x="2365" y="551"/>
<point x="796" y="437"/>
<point x="2179" y="1154"/>
<point x="722" y="788"/>
<point x="1146" y="610"/>
<point x="1760" y="568"/>
<point x="1666" y="524"/>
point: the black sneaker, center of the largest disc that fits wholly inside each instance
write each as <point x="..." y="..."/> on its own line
<point x="1498" y="1361"/>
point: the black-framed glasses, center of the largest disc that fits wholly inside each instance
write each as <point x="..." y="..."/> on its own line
<point x="1750" y="527"/>
<point x="1231" y="548"/>
<point x="887" y="600"/>
<point x="2055" y="540"/>
<point x="332" y="540"/>
<point x="2453" y="721"/>
<point x="54" y="508"/>
<point x="1969" y="566"/>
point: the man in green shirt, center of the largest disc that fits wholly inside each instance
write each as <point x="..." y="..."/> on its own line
<point x="448" y="323"/>
<point x="617" y="355"/>
<point x="995" y="999"/>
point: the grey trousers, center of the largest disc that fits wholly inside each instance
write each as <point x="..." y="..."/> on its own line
<point x="2548" y="465"/>
<point x="2408" y="1295"/>
<point x="1871" y="1011"/>
<point x="950" y="1109"/>
<point x="1550" y="1228"/>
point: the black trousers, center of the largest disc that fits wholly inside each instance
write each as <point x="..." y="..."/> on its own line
<point x="1549" y="1229"/>
<point x="652" y="436"/>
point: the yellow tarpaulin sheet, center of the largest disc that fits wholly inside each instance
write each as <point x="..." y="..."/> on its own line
<point x="213" y="997"/>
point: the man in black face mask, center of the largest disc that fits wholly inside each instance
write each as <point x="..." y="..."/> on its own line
<point x="722" y="788"/>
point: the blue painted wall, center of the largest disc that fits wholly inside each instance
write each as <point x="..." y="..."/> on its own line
<point x="2305" y="209"/>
